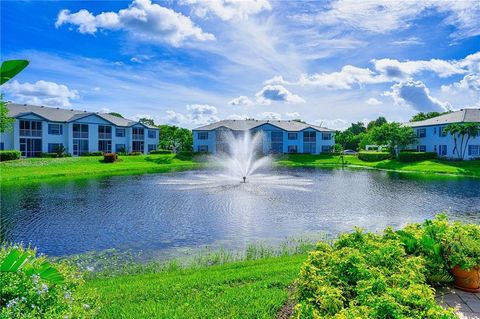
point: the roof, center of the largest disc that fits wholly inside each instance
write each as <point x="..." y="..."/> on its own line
<point x="462" y="116"/>
<point x="243" y="125"/>
<point x="64" y="115"/>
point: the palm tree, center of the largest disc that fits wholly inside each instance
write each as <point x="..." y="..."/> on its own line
<point x="464" y="131"/>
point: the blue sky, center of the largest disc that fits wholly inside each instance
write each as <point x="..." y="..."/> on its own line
<point x="192" y="62"/>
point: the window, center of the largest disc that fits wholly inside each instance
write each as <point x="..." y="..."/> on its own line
<point x="326" y="136"/>
<point x="152" y="147"/>
<point x="2" y="146"/>
<point x="105" y="146"/>
<point x="474" y="150"/>
<point x="30" y="128"/>
<point x="421" y="148"/>
<point x="54" y="147"/>
<point x="309" y="142"/>
<point x="138" y="134"/>
<point x="292" y="136"/>
<point x="202" y="135"/>
<point x="137" y="146"/>
<point x="31" y="147"/>
<point x="442" y="150"/>
<point x="292" y="148"/>
<point x="80" y="130"/>
<point x="203" y="148"/>
<point x="105" y="132"/>
<point x="80" y="146"/>
<point x="421" y="132"/>
<point x="152" y="134"/>
<point x="326" y="148"/>
<point x="277" y="142"/>
<point x="120" y="132"/>
<point x="441" y="131"/>
<point x="435" y="130"/>
<point x="120" y="148"/>
<point x="55" y="129"/>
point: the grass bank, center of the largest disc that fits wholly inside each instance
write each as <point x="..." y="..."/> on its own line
<point x="33" y="169"/>
<point x="460" y="168"/>
<point x="246" y="289"/>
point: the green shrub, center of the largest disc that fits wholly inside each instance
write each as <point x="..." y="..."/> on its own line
<point x="416" y="156"/>
<point x="364" y="275"/>
<point x="28" y="293"/>
<point x="49" y="155"/>
<point x="9" y="155"/>
<point x="373" y="156"/>
<point x="110" y="157"/>
<point x="161" y="152"/>
<point x="185" y="155"/>
<point x="134" y="153"/>
<point x="92" y="154"/>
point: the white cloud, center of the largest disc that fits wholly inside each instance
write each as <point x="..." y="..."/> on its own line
<point x="345" y="79"/>
<point x="142" y="20"/>
<point x="270" y="116"/>
<point x="292" y="114"/>
<point x="138" y="116"/>
<point x="96" y="88"/>
<point x="408" y="41"/>
<point x="416" y="95"/>
<point x="41" y="93"/>
<point x="197" y="114"/>
<point x="104" y="110"/>
<point x="394" y="69"/>
<point x="470" y="82"/>
<point x="373" y="101"/>
<point x="278" y="79"/>
<point x="335" y="124"/>
<point x="392" y="16"/>
<point x="228" y="9"/>
<point x="241" y="101"/>
<point x="237" y="117"/>
<point x="277" y="93"/>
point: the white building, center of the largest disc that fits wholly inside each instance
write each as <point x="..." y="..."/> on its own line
<point x="433" y="138"/>
<point x="278" y="136"/>
<point x="41" y="129"/>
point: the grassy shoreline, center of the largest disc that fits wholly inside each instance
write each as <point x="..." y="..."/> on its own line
<point x="45" y="169"/>
<point x="243" y="289"/>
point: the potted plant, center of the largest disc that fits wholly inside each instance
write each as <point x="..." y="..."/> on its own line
<point x="461" y="248"/>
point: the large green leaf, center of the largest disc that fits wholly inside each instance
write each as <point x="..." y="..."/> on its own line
<point x="14" y="261"/>
<point x="10" y="68"/>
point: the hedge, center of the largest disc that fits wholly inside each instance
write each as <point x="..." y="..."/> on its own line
<point x="373" y="156"/>
<point x="9" y="155"/>
<point x="161" y="152"/>
<point x="365" y="275"/>
<point x="92" y="154"/>
<point x="416" y="156"/>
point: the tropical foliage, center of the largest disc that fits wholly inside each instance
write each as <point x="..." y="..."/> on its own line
<point x="31" y="287"/>
<point x="5" y="121"/>
<point x="394" y="135"/>
<point x="425" y="116"/>
<point x="462" y="133"/>
<point x="175" y="138"/>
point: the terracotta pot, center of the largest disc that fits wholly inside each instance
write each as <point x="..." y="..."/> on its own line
<point x="467" y="280"/>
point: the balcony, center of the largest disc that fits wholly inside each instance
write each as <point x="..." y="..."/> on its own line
<point x="32" y="133"/>
<point x="138" y="137"/>
<point x="104" y="136"/>
<point x="80" y="134"/>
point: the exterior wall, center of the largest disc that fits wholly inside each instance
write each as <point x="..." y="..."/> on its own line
<point x="11" y="139"/>
<point x="267" y="130"/>
<point x="433" y="140"/>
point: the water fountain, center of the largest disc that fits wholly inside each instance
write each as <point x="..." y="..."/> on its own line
<point x="239" y="164"/>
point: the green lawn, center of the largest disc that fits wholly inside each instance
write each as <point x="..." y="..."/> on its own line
<point x="33" y="169"/>
<point x="247" y="289"/>
<point x="466" y="168"/>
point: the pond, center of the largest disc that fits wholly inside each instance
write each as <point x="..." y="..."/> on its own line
<point x="168" y="212"/>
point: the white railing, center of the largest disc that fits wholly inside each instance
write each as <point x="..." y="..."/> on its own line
<point x="80" y="134"/>
<point x="105" y="136"/>
<point x="138" y="137"/>
<point x="28" y="132"/>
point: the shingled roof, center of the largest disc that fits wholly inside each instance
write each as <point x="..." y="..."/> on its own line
<point x="243" y="125"/>
<point x="65" y="115"/>
<point x="462" y="116"/>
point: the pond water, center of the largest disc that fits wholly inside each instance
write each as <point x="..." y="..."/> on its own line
<point x="155" y="213"/>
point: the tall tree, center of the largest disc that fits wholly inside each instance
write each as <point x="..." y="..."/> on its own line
<point x="116" y="114"/>
<point x="394" y="135"/>
<point x="147" y="121"/>
<point x="5" y="121"/>
<point x="175" y="138"/>
<point x="425" y="116"/>
<point x="378" y="122"/>
<point x="462" y="133"/>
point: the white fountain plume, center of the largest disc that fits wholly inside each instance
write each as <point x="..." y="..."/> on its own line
<point x="244" y="155"/>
